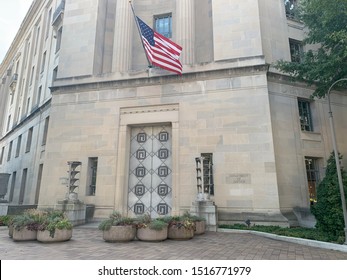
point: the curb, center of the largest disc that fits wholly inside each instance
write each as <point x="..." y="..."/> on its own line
<point x="301" y="241"/>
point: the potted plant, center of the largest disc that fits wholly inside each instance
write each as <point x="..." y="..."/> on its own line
<point x="24" y="227"/>
<point x="54" y="227"/>
<point x="149" y="229"/>
<point x="181" y="228"/>
<point x="6" y="220"/>
<point x="200" y="223"/>
<point x="118" y="228"/>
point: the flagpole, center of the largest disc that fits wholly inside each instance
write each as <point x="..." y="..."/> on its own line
<point x="138" y="29"/>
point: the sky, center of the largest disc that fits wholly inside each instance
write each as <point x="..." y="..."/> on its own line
<point x="12" y="13"/>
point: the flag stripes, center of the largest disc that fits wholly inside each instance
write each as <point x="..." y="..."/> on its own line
<point x="161" y="51"/>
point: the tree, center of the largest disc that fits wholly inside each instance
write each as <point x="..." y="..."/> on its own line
<point x="328" y="209"/>
<point x="326" y="22"/>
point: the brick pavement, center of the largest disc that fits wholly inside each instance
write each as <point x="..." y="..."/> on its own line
<point x="87" y="244"/>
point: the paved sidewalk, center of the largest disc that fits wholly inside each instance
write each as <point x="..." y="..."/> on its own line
<point x="87" y="244"/>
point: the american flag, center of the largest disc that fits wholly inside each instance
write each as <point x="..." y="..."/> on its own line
<point x="161" y="51"/>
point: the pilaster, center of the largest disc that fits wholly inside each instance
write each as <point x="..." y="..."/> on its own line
<point x="185" y="30"/>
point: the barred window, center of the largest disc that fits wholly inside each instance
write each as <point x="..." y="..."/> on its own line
<point x="92" y="172"/>
<point x="312" y="178"/>
<point x="296" y="50"/>
<point x="305" y="115"/>
<point x="291" y="7"/>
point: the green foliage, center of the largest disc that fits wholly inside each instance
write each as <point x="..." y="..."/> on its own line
<point x="30" y="219"/>
<point x="5" y="220"/>
<point x="194" y="218"/>
<point x="298" y="232"/>
<point x="20" y="222"/>
<point x="54" y="220"/>
<point x="157" y="224"/>
<point x="326" y="22"/>
<point x="116" y="219"/>
<point x="328" y="209"/>
<point x="180" y="221"/>
<point x="145" y="221"/>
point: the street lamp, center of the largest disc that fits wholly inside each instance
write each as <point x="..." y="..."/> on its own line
<point x="337" y="160"/>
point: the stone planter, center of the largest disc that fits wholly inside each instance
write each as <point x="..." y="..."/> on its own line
<point x="24" y="235"/>
<point x="59" y="235"/>
<point x="147" y="234"/>
<point x="200" y="227"/>
<point x="10" y="231"/>
<point x="119" y="234"/>
<point x="180" y="233"/>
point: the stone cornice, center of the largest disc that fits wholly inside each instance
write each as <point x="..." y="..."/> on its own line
<point x="151" y="81"/>
<point x="25" y="25"/>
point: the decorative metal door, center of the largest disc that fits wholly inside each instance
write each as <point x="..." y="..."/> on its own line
<point x="150" y="171"/>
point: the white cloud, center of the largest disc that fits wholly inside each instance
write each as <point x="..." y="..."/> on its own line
<point x="12" y="13"/>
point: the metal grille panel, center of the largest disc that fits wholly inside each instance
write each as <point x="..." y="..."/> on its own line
<point x="150" y="171"/>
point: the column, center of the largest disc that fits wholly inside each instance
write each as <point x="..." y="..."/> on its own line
<point x="122" y="37"/>
<point x="185" y="23"/>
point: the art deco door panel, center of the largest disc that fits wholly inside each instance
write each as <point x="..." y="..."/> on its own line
<point x="150" y="168"/>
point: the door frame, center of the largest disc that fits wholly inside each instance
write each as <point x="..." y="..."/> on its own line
<point x="145" y="116"/>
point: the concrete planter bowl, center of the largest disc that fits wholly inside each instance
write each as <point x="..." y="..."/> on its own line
<point x="180" y="233"/>
<point x="24" y="234"/>
<point x="10" y="231"/>
<point x="147" y="234"/>
<point x="60" y="235"/>
<point x="122" y="233"/>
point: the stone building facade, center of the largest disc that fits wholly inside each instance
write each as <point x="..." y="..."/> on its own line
<point x="76" y="87"/>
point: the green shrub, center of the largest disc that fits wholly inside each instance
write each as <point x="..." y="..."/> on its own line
<point x="298" y="232"/>
<point x="5" y="220"/>
<point x="145" y="221"/>
<point x="54" y="220"/>
<point x="116" y="219"/>
<point x="328" y="209"/>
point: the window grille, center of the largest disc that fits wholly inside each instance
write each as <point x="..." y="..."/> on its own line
<point x="305" y="115"/>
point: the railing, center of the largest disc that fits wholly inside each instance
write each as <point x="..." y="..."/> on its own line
<point x="59" y="10"/>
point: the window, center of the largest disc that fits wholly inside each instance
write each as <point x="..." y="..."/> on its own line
<point x="28" y="106"/>
<point x="296" y="50"/>
<point x="19" y="142"/>
<point x="22" y="186"/>
<point x="208" y="172"/>
<point x="27" y="51"/>
<point x="163" y="25"/>
<point x="55" y="73"/>
<point x="37" y="39"/>
<point x="32" y="75"/>
<point x="12" y="97"/>
<point x="2" y="154"/>
<point x="38" y="184"/>
<point x="13" y="183"/>
<point x="312" y="178"/>
<point x="305" y="115"/>
<point x="29" y="139"/>
<point x="59" y="34"/>
<point x="39" y="95"/>
<point x="18" y="114"/>
<point x="44" y="137"/>
<point x="43" y="62"/>
<point x="48" y="23"/>
<point x="291" y="8"/>
<point x="92" y="171"/>
<point x="9" y="151"/>
<point x="8" y="123"/>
